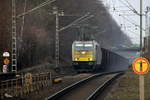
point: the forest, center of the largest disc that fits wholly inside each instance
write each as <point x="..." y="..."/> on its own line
<point x="36" y="42"/>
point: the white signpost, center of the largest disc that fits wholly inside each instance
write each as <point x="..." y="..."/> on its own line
<point x="141" y="67"/>
<point x="5" y="68"/>
<point x="6" y="62"/>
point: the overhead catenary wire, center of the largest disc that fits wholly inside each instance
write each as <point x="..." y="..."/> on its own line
<point x="132" y="22"/>
<point x="113" y="3"/>
<point x="135" y="37"/>
<point x="85" y="17"/>
<point x="129" y="20"/>
<point x="129" y="6"/>
<point x="134" y="10"/>
<point x="133" y="32"/>
<point x="122" y="11"/>
<point x="130" y="9"/>
<point x="125" y="4"/>
<point x="37" y="7"/>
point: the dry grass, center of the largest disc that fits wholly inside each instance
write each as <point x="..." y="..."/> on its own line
<point x="128" y="88"/>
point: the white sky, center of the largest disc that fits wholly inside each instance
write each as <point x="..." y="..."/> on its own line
<point x="126" y="19"/>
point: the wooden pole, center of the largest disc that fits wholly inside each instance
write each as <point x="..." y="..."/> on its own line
<point x="141" y="86"/>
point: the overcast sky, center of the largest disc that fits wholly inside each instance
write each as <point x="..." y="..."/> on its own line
<point x="127" y="20"/>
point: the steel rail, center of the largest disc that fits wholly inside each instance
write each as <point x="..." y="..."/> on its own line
<point x="66" y="90"/>
<point x="101" y="88"/>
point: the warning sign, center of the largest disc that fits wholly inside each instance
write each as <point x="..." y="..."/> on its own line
<point x="6" y="61"/>
<point x="141" y="65"/>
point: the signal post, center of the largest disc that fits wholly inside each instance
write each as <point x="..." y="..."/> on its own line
<point x="6" y="62"/>
<point x="141" y="67"/>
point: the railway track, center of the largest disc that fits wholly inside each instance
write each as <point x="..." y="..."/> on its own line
<point x="86" y="89"/>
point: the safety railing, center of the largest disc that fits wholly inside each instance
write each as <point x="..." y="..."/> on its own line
<point x="24" y="85"/>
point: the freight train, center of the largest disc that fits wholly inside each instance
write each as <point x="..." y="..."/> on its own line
<point x="86" y="56"/>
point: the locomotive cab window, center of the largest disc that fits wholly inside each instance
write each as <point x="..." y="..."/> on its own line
<point x="83" y="47"/>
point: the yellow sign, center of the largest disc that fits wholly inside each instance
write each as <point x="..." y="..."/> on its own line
<point x="141" y="65"/>
<point x="28" y="79"/>
<point x="6" y="61"/>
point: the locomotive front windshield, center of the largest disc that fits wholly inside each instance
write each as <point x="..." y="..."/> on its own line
<point x="83" y="47"/>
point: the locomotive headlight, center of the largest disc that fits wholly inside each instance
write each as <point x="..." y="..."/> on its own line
<point x="90" y="59"/>
<point x="76" y="59"/>
<point x="83" y="52"/>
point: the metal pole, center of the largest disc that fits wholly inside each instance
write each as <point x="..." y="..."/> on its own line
<point x="141" y="77"/>
<point x="57" y="39"/>
<point x="14" y="38"/>
<point x="146" y="22"/>
<point x="22" y="27"/>
<point x="141" y="24"/>
<point x="146" y="31"/>
<point x="149" y="26"/>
